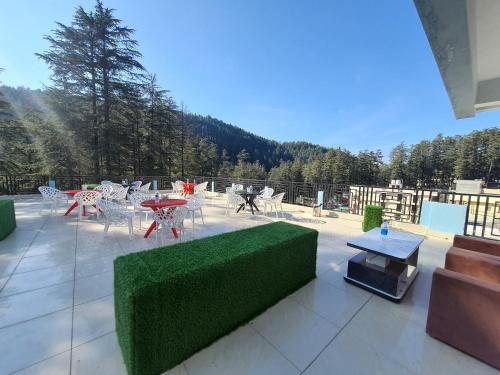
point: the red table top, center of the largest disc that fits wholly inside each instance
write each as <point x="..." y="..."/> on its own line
<point x="163" y="203"/>
<point x="71" y="192"/>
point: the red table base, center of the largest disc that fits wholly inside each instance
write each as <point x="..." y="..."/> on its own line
<point x="152" y="227"/>
<point x="161" y="204"/>
<point x="72" y="193"/>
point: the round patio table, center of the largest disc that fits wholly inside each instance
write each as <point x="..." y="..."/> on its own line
<point x="249" y="199"/>
<point x="155" y="206"/>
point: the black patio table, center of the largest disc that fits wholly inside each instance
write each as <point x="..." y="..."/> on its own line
<point x="249" y="200"/>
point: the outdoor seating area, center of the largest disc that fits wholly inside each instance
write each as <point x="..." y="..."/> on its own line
<point x="227" y="188"/>
<point x="57" y="298"/>
<point x="112" y="201"/>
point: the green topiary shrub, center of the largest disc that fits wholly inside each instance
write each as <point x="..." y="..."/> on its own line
<point x="7" y="217"/>
<point x="173" y="301"/>
<point x="372" y="217"/>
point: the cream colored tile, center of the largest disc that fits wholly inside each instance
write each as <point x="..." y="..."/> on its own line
<point x="100" y="356"/>
<point x="26" y="281"/>
<point x="93" y="319"/>
<point x="348" y="355"/>
<point x="40" y="248"/>
<point x="28" y="305"/>
<point x="333" y="304"/>
<point x="57" y="365"/>
<point x="94" y="266"/>
<point x="405" y="342"/>
<point x="3" y="281"/>
<point x="298" y="333"/>
<point x="178" y="370"/>
<point x="94" y="287"/>
<point x="8" y="263"/>
<point x="46" y="261"/>
<point x="24" y="344"/>
<point x="243" y="352"/>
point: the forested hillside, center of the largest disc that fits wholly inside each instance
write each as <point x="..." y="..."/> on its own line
<point x="103" y="113"/>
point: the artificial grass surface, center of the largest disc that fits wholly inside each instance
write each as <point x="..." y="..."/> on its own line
<point x="372" y="217"/>
<point x="7" y="217"/>
<point x="173" y="301"/>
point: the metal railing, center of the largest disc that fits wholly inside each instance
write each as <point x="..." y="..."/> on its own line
<point x="482" y="218"/>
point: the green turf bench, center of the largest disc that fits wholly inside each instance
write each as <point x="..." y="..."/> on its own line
<point x="7" y="217"/>
<point x="173" y="301"/>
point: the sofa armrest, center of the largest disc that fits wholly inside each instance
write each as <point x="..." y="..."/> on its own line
<point x="464" y="312"/>
<point x="483" y="266"/>
<point x="477" y="244"/>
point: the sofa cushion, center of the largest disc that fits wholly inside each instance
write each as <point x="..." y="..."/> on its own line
<point x="480" y="265"/>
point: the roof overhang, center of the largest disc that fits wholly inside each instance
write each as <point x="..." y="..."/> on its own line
<point x="465" y="38"/>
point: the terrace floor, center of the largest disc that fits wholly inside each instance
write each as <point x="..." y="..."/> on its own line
<point x="57" y="317"/>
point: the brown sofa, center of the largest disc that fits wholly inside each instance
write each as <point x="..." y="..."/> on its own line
<point x="464" y="307"/>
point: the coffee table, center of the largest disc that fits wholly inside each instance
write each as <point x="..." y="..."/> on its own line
<point x="387" y="266"/>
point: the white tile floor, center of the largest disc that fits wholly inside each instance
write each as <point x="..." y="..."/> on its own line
<point x="57" y="308"/>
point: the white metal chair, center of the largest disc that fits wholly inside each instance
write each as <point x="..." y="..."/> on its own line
<point x="145" y="187"/>
<point x="274" y="202"/>
<point x="201" y="188"/>
<point x="106" y="190"/>
<point x="171" y="218"/>
<point x="52" y="197"/>
<point x="119" y="195"/>
<point x="87" y="198"/>
<point x="115" y="213"/>
<point x="195" y="203"/>
<point x="233" y="199"/>
<point x="136" y="199"/>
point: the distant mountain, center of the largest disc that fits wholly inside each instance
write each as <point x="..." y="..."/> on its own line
<point x="226" y="136"/>
<point x="233" y="139"/>
<point x="25" y="97"/>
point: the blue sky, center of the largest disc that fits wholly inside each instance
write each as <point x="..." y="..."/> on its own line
<point x="353" y="74"/>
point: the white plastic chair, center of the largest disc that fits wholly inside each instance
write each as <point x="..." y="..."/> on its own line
<point x="195" y="203"/>
<point x="115" y="213"/>
<point x="136" y="199"/>
<point x="233" y="199"/>
<point x="174" y="188"/>
<point x="106" y="190"/>
<point x="201" y="188"/>
<point x="274" y="202"/>
<point x="116" y="187"/>
<point x="265" y="195"/>
<point x="87" y="198"/>
<point x="179" y="186"/>
<point x="52" y="197"/>
<point x="171" y="218"/>
<point x="135" y="185"/>
<point x="145" y="187"/>
<point x="119" y="195"/>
